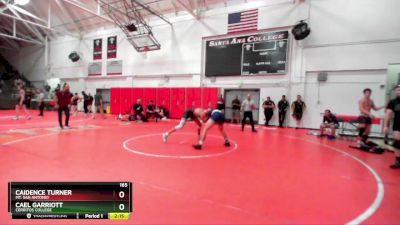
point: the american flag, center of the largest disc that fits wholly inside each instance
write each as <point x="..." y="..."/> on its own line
<point x="243" y="21"/>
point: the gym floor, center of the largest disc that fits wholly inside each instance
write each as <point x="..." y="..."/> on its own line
<point x="275" y="176"/>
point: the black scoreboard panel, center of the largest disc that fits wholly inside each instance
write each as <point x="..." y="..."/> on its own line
<point x="256" y="54"/>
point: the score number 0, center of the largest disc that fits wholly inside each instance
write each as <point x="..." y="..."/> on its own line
<point x="121" y="195"/>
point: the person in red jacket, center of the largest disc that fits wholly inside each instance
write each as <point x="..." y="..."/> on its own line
<point x="63" y="100"/>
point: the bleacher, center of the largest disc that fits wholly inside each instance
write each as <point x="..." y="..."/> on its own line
<point x="9" y="77"/>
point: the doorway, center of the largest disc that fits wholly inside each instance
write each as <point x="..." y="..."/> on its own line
<point x="230" y="94"/>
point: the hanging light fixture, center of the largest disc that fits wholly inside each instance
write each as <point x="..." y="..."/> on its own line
<point x="21" y="2"/>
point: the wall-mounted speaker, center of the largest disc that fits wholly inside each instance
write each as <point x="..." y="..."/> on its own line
<point x="74" y="56"/>
<point x="301" y="30"/>
<point x="322" y="76"/>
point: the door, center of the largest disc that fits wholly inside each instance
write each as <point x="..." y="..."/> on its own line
<point x="231" y="94"/>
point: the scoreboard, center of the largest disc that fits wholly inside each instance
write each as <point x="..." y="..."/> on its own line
<point x="256" y="54"/>
<point x="70" y="200"/>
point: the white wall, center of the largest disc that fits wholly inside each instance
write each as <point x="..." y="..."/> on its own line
<point x="353" y="41"/>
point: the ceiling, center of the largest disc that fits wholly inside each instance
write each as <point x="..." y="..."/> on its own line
<point x="22" y="25"/>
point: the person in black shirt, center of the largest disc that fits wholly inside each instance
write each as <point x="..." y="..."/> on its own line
<point x="283" y="106"/>
<point x="331" y="122"/>
<point x="298" y="108"/>
<point x="269" y="106"/>
<point x="236" y="110"/>
<point x="85" y="102"/>
<point x="393" y="108"/>
<point x="138" y="111"/>
<point x="90" y="103"/>
<point x="151" y="111"/>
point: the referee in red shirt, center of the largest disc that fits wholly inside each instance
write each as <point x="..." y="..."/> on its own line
<point x="63" y="100"/>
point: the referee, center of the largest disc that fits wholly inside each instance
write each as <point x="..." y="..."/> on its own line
<point x="247" y="108"/>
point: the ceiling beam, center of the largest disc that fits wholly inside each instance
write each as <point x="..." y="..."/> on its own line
<point x="67" y="14"/>
<point x="39" y="25"/>
<point x="13" y="32"/>
<point x="89" y="11"/>
<point x="187" y="9"/>
<point x="20" y="39"/>
<point x="150" y="10"/>
<point x="34" y="30"/>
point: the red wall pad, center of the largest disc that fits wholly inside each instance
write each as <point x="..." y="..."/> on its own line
<point x="126" y="100"/>
<point x="193" y="97"/>
<point x="177" y="102"/>
<point x="164" y="97"/>
<point x="115" y="100"/>
<point x="136" y="94"/>
<point x="210" y="97"/>
<point x="149" y="94"/>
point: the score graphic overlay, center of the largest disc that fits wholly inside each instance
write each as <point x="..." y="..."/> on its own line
<point x="70" y="200"/>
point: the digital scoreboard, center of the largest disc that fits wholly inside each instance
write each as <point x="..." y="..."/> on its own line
<point x="254" y="54"/>
<point x="70" y="200"/>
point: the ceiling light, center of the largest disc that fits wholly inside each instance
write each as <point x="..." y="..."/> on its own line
<point x="21" y="2"/>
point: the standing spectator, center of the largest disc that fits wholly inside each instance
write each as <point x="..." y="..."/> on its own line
<point x="269" y="106"/>
<point x="90" y="103"/>
<point x="21" y="103"/>
<point x="298" y="108"/>
<point x="63" y="101"/>
<point x="248" y="107"/>
<point x="40" y="100"/>
<point x="98" y="105"/>
<point x="85" y="102"/>
<point x="283" y="106"/>
<point x="74" y="105"/>
<point x="221" y="104"/>
<point x="235" y="110"/>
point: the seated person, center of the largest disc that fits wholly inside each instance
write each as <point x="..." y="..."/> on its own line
<point x="151" y="111"/>
<point x="128" y="116"/>
<point x="163" y="111"/>
<point x="138" y="111"/>
<point x="331" y="122"/>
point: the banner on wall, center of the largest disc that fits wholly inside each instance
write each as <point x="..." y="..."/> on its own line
<point x="112" y="47"/>
<point x="97" y="49"/>
<point x="114" y="68"/>
<point x="94" y="69"/>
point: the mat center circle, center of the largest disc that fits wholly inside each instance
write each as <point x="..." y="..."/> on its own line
<point x="179" y="145"/>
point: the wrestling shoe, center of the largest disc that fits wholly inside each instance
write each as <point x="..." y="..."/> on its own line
<point x="165" y="137"/>
<point x="197" y="147"/>
<point x="395" y="166"/>
<point x="227" y="143"/>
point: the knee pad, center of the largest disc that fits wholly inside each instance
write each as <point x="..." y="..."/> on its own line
<point x="396" y="144"/>
<point x="180" y="125"/>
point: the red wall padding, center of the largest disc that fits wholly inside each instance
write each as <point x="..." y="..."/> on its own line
<point x="210" y="97"/>
<point x="126" y="100"/>
<point x="115" y="100"/>
<point x="193" y="97"/>
<point x="149" y="94"/>
<point x="176" y="100"/>
<point x="136" y="94"/>
<point x="164" y="97"/>
<point x="178" y="103"/>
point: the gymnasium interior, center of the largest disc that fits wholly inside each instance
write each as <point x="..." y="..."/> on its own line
<point x="199" y="112"/>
